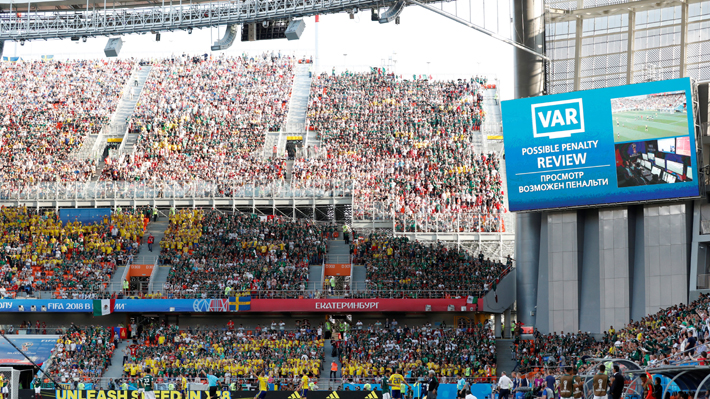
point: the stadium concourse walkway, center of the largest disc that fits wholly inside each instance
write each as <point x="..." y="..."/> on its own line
<point x="324" y="380"/>
<point x="359" y="276"/>
<point x="504" y="353"/>
<point x="315" y="277"/>
<point x="289" y="169"/>
<point x="124" y="110"/>
<point x="117" y="279"/>
<point x="157" y="229"/>
<point x="128" y="104"/>
<point x="298" y="104"/>
<point x="145" y="257"/>
<point x="115" y="370"/>
<point x="493" y="120"/>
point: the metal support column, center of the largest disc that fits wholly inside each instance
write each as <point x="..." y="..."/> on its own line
<point x="578" y="54"/>
<point x="506" y="324"/>
<point x="527" y="258"/>
<point x="683" y="39"/>
<point x="529" y="81"/>
<point x="530" y="32"/>
<point x="631" y="35"/>
<point x="496" y="327"/>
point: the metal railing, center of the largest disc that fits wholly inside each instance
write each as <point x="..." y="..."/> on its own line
<point x="351" y="381"/>
<point x="461" y="222"/>
<point x="161" y="383"/>
<point x="446" y="222"/>
<point x="355" y="290"/>
<point x="338" y="258"/>
<point x="94" y="190"/>
<point x="153" y="273"/>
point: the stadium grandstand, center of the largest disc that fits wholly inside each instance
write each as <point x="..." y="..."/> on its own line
<point x="262" y="220"/>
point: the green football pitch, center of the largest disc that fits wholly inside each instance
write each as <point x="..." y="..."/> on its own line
<point x="631" y="125"/>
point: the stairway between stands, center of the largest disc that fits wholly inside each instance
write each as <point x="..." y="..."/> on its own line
<point x="145" y="257"/>
<point x="119" y="122"/>
<point x="115" y="370"/>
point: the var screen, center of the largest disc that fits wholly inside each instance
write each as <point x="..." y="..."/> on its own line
<point x="605" y="146"/>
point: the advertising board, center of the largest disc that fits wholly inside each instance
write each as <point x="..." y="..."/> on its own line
<point x="39" y="349"/>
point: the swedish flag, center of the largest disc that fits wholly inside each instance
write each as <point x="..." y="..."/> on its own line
<point x="239" y="303"/>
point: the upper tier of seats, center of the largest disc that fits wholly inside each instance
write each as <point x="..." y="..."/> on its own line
<point x="48" y="109"/>
<point x="205" y="119"/>
<point x="407" y="144"/>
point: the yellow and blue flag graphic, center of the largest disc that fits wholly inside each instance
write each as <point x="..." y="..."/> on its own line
<point x="239" y="303"/>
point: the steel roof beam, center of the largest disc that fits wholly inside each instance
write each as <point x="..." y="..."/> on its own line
<point x="65" y="24"/>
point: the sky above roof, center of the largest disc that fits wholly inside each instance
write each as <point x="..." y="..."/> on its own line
<point x="423" y="43"/>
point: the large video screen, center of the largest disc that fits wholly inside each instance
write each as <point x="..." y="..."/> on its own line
<point x="606" y="146"/>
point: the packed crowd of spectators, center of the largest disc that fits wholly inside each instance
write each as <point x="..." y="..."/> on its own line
<point x="38" y="252"/>
<point x="81" y="355"/>
<point x="564" y="349"/>
<point x="652" y="102"/>
<point x="407" y="144"/>
<point x="231" y="354"/>
<point x="373" y="351"/>
<point x="48" y="110"/>
<point x="205" y="118"/>
<point x="213" y="253"/>
<point x="677" y="334"/>
<point x="400" y="267"/>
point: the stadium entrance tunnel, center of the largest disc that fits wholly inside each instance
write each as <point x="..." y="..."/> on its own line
<point x="134" y="394"/>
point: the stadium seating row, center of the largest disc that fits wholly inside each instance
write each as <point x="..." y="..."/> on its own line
<point x="182" y="356"/>
<point x="674" y="335"/>
<point x="214" y="254"/>
<point x="42" y="253"/>
<point x="406" y="143"/>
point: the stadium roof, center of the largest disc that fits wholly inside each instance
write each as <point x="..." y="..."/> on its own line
<point x="562" y="15"/>
<point x="80" y="6"/>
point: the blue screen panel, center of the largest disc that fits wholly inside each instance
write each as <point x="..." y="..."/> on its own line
<point x="587" y="148"/>
<point x="84" y="215"/>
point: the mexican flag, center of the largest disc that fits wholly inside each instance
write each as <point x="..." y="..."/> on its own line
<point x="102" y="307"/>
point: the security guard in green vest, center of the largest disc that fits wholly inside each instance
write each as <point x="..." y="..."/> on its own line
<point x="327" y="329"/>
<point x="125" y="285"/>
<point x="233" y="386"/>
<point x="171" y="387"/>
<point x="172" y="211"/>
<point x="118" y="209"/>
<point x="155" y="214"/>
<point x="81" y="386"/>
<point x="124" y="386"/>
<point x="346" y="234"/>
